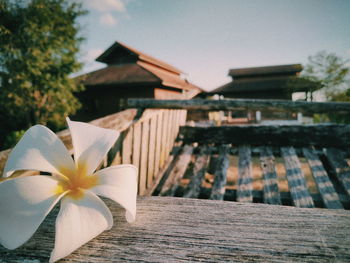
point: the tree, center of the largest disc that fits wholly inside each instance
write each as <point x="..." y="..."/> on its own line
<point x="39" y="44"/>
<point x="324" y="72"/>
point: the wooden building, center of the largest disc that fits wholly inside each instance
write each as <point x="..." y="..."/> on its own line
<point x="129" y="74"/>
<point x="269" y="82"/>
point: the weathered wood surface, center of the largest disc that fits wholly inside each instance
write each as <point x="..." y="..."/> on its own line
<point x="323" y="183"/>
<point x="296" y="180"/>
<point x="243" y="104"/>
<point x="178" y="171"/>
<point x="271" y="192"/>
<point x="258" y="196"/>
<point x="296" y="135"/>
<point x="245" y="179"/>
<point x="192" y="230"/>
<point x="219" y="186"/>
<point x="197" y="174"/>
<point x="340" y="167"/>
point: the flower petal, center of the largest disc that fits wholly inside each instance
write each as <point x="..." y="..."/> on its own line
<point x="119" y="183"/>
<point x="90" y="144"/>
<point x="39" y="149"/>
<point x="24" y="203"/>
<point x="78" y="222"/>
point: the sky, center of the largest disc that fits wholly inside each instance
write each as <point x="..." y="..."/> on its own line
<point x="206" y="38"/>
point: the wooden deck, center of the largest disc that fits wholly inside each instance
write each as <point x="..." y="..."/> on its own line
<point x="191" y="230"/>
<point x="170" y="229"/>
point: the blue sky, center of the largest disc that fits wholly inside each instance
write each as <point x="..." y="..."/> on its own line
<point x="205" y="38"/>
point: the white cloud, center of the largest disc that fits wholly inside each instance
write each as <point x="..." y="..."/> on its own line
<point x="108" y="19"/>
<point x="107" y="5"/>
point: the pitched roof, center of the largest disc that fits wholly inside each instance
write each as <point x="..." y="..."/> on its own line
<point x="119" y="74"/>
<point x="118" y="47"/>
<point x="291" y="69"/>
<point x="252" y="85"/>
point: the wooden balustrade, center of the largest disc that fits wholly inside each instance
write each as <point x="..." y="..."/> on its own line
<point x="145" y="141"/>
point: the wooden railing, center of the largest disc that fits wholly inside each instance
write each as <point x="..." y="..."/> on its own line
<point x="147" y="144"/>
<point x="146" y="140"/>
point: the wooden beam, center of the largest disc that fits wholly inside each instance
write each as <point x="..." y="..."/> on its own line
<point x="271" y="192"/>
<point x="324" y="185"/>
<point x="243" y="104"/>
<point x="340" y="167"/>
<point x="296" y="179"/>
<point x="222" y="164"/>
<point x="177" y="172"/>
<point x="277" y="135"/>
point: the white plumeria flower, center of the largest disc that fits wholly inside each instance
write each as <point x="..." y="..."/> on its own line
<point x="25" y="201"/>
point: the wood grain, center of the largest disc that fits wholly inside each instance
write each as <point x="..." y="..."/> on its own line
<point x="197" y="174"/>
<point x="218" y="189"/>
<point x="178" y="171"/>
<point x="143" y="158"/>
<point x="245" y="179"/>
<point x="192" y="230"/>
<point x="340" y="167"/>
<point x="324" y="185"/>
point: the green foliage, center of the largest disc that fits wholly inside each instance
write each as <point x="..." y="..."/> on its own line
<point x="12" y="138"/>
<point x="325" y="72"/>
<point x="39" y="44"/>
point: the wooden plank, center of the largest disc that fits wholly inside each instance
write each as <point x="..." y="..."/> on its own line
<point x="193" y="188"/>
<point x="144" y="155"/>
<point x="158" y="142"/>
<point x="245" y="187"/>
<point x="191" y="230"/>
<point x="127" y="146"/>
<point x="296" y="135"/>
<point x="340" y="166"/>
<point x="218" y="189"/>
<point x="243" y="104"/>
<point x="136" y="145"/>
<point x="183" y="117"/>
<point x="296" y="180"/>
<point x="324" y="185"/>
<point x="114" y="156"/>
<point x="171" y="127"/>
<point x="271" y="192"/>
<point x="151" y="150"/>
<point x="165" y="135"/>
<point x="173" y="180"/>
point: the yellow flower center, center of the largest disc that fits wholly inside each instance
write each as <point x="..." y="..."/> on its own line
<point x="76" y="183"/>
